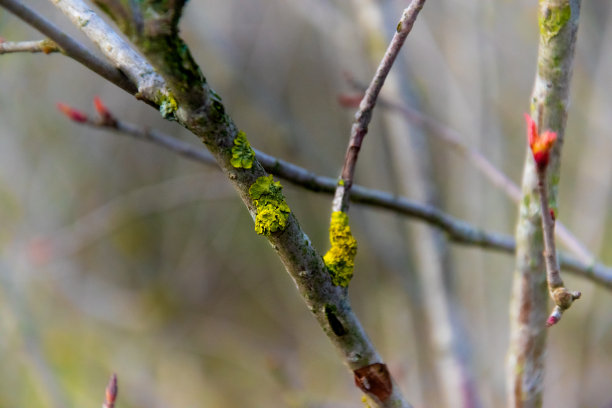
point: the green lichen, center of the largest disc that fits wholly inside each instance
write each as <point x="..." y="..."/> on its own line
<point x="340" y="259"/>
<point x="242" y="154"/>
<point x="553" y="19"/>
<point x="272" y="210"/>
<point x="167" y="106"/>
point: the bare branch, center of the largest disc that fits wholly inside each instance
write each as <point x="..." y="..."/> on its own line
<point x="458" y="231"/>
<point x="71" y="47"/>
<point x="198" y="108"/>
<point x="44" y="46"/>
<point x="149" y="84"/>
<point x="558" y="23"/>
<point x="454" y="139"/>
<point x="364" y="114"/>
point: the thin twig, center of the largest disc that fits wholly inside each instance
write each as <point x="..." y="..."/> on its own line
<point x="71" y="47"/>
<point x="44" y="46"/>
<point x="429" y="268"/>
<point x="454" y="139"/>
<point x="364" y="114"/>
<point x="457" y="230"/>
<point x="562" y="297"/>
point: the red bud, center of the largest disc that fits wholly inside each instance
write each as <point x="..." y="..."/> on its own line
<point x="111" y="392"/>
<point x="100" y="107"/>
<point x="554" y="317"/>
<point x="540" y="144"/>
<point x="73" y="114"/>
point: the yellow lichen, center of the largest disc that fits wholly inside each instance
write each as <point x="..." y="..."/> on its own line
<point x="242" y="154"/>
<point x="272" y="210"/>
<point x="340" y="259"/>
<point x="271" y="219"/>
<point x="167" y="105"/>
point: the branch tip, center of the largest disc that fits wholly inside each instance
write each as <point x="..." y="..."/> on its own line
<point x="72" y="113"/>
<point x="554" y="317"/>
<point x="105" y="116"/>
<point x="111" y="392"/>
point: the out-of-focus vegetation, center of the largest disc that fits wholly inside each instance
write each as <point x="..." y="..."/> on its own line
<point x="117" y="256"/>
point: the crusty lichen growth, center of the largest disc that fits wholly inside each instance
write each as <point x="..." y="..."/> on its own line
<point x="272" y="210"/>
<point x="167" y="106"/>
<point x="340" y="259"/>
<point x="552" y="19"/>
<point x="242" y="154"/>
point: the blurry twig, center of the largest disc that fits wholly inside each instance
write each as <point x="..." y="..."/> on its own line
<point x="28" y="338"/>
<point x="364" y="114"/>
<point x="429" y="267"/>
<point x="454" y="139"/>
<point x="109" y="217"/>
<point x="457" y="230"/>
<point x="45" y="46"/>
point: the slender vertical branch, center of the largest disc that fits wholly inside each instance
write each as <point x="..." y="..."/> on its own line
<point x="454" y="139"/>
<point x="364" y="114"/>
<point x="561" y="296"/>
<point x="428" y="267"/>
<point x="558" y="22"/>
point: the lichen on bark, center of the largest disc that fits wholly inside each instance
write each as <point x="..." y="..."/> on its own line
<point x="340" y="259"/>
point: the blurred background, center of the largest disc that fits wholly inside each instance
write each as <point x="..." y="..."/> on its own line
<point x="118" y="256"/>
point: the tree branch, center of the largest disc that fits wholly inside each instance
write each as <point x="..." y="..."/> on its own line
<point x="197" y="107"/>
<point x="71" y="47"/>
<point x="562" y="297"/>
<point x="457" y="230"/>
<point x="150" y="86"/>
<point x="454" y="139"/>
<point x="364" y="114"/>
<point x="558" y="22"/>
<point x="428" y="268"/>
